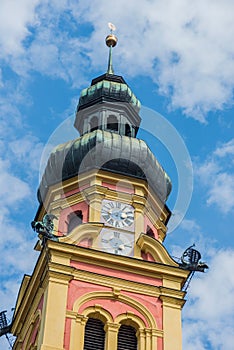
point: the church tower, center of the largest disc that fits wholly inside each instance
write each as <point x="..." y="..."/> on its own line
<point x="103" y="279"/>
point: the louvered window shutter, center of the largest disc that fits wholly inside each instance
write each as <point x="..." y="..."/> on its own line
<point x="94" y="335"/>
<point x="127" y="339"/>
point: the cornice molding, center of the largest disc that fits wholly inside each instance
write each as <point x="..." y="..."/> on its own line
<point x="172" y="302"/>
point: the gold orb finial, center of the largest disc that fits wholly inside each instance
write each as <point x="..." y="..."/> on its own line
<point x="111" y="39"/>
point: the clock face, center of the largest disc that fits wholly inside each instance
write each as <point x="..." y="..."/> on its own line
<point x="117" y="214"/>
<point x="116" y="242"/>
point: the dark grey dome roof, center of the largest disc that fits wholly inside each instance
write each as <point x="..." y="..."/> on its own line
<point x="107" y="151"/>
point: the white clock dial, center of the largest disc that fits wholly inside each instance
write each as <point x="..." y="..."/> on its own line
<point x="117" y="242"/>
<point x="117" y="214"/>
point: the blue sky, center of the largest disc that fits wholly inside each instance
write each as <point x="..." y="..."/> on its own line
<point x="177" y="57"/>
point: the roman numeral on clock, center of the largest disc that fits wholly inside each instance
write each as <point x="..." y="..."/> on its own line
<point x="105" y="240"/>
<point x="105" y="216"/>
<point x="110" y="221"/>
<point x="128" y="222"/>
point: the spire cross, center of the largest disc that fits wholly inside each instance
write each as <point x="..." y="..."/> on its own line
<point x="111" y="41"/>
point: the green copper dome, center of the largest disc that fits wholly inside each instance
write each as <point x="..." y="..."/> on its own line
<point x="108" y="87"/>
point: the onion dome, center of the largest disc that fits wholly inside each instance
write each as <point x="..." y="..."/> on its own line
<point x="108" y="87"/>
<point x="106" y="151"/>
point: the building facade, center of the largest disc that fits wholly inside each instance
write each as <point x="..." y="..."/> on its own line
<point x="103" y="279"/>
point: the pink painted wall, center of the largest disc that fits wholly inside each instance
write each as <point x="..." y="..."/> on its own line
<point x="160" y="343"/>
<point x="147" y="256"/>
<point x="67" y="333"/>
<point x="116" y="273"/>
<point x="109" y="185"/>
<point x="86" y="242"/>
<point x="153" y="304"/>
<point x="78" y="288"/>
<point x="114" y="307"/>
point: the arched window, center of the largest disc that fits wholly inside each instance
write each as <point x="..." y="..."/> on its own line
<point x="112" y="123"/>
<point x="94" y="338"/>
<point x="93" y="123"/>
<point x="149" y="232"/>
<point x="127" y="339"/>
<point x="74" y="220"/>
<point x="127" y="130"/>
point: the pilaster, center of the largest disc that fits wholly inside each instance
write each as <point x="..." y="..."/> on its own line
<point x="138" y="203"/>
<point x="141" y="339"/>
<point x="172" y="325"/>
<point x="148" y="339"/>
<point x="77" y="332"/>
<point x="51" y="335"/>
<point x="94" y="195"/>
<point x="111" y="330"/>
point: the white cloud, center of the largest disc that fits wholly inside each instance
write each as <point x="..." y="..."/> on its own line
<point x="209" y="315"/>
<point x="221" y="192"/>
<point x="190" y="226"/>
<point x="193" y="234"/>
<point x="17" y="254"/>
<point x="27" y="151"/>
<point x="207" y="169"/>
<point x="12" y="189"/>
<point x="13" y="96"/>
<point x="217" y="175"/>
<point x="16" y="248"/>
<point x="186" y="49"/>
<point x="9" y="116"/>
<point x="17" y="258"/>
<point x="225" y="149"/>
<point x="15" y="17"/>
<point x="180" y="46"/>
<point x="1" y="80"/>
<point x="15" y="240"/>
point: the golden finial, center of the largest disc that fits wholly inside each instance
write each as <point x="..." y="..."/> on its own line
<point x="111" y="41"/>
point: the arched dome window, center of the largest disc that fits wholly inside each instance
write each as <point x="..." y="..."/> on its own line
<point x="112" y="123"/>
<point x="74" y="220"/>
<point x="94" y="338"/>
<point x="93" y="123"/>
<point x="127" y="338"/>
<point x="127" y="130"/>
<point x="149" y="232"/>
